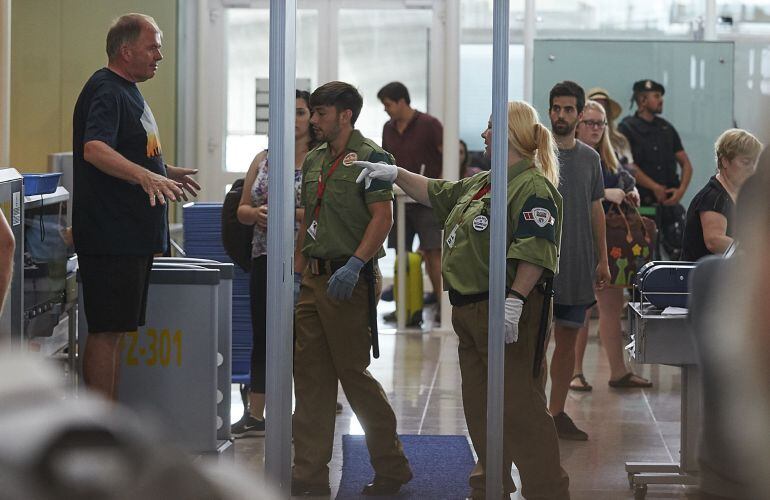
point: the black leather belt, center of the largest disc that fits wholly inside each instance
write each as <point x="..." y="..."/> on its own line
<point x="323" y="266"/>
<point x="457" y="299"/>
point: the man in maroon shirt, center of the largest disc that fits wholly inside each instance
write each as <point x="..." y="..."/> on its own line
<point x="414" y="139"/>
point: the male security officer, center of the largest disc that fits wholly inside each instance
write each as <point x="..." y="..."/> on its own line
<point x="657" y="149"/>
<point x="336" y="280"/>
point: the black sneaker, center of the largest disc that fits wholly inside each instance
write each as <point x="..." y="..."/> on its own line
<point x="387" y="294"/>
<point x="303" y="489"/>
<point x="566" y="428"/>
<point x="247" y="426"/>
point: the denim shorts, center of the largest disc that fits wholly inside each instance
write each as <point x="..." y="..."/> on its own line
<point x="571" y="316"/>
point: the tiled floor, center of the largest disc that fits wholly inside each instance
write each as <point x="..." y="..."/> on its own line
<point x="420" y="373"/>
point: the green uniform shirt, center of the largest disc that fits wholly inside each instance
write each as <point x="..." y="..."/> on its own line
<point x="343" y="215"/>
<point x="534" y="226"/>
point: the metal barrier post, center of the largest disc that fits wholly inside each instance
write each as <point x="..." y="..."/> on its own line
<point x="496" y="343"/>
<point x="280" y="244"/>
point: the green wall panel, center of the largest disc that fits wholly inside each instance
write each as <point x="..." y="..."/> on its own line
<point x="55" y="47"/>
<point x="698" y="77"/>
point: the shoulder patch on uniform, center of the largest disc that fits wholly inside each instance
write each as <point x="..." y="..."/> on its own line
<point x="379" y="185"/>
<point x="379" y="156"/>
<point x="538" y="219"/>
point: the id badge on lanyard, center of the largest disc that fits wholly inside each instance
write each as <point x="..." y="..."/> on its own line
<point x="312" y="230"/>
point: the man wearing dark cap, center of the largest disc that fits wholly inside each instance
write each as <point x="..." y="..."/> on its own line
<point x="657" y="149"/>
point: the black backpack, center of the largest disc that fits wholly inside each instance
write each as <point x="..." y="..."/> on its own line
<point x="236" y="237"/>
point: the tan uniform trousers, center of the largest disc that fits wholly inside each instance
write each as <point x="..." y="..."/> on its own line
<point x="530" y="439"/>
<point x="332" y="343"/>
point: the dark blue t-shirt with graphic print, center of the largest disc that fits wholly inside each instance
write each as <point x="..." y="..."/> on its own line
<point x="112" y="216"/>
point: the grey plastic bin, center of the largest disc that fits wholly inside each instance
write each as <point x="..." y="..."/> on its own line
<point x="169" y="366"/>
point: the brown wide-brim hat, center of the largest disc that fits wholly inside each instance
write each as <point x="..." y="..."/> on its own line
<point x="600" y="93"/>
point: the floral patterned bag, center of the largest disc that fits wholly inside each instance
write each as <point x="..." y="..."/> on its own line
<point x="630" y="242"/>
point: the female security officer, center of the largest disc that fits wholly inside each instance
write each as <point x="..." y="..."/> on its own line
<point x="534" y="231"/>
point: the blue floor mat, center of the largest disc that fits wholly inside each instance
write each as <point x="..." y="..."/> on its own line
<point x="440" y="464"/>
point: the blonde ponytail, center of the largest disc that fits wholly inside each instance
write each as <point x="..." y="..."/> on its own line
<point x="547" y="154"/>
<point x="531" y="140"/>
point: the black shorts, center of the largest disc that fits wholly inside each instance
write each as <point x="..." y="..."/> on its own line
<point x="420" y="221"/>
<point x="115" y="291"/>
<point x="571" y="316"/>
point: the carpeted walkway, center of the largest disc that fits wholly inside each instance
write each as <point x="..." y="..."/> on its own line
<point x="440" y="464"/>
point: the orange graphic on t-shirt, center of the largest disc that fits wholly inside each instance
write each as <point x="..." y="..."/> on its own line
<point x="153" y="146"/>
<point x="153" y="141"/>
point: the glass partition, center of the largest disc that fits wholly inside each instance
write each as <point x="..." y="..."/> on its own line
<point x="247" y="32"/>
<point x="698" y="77"/>
<point x="476" y="88"/>
<point x="595" y="18"/>
<point x="380" y="46"/>
<point x="752" y="87"/>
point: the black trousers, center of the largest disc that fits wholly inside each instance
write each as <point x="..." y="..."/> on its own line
<point x="258" y="299"/>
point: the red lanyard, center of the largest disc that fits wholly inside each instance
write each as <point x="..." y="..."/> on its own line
<point x="322" y="185"/>
<point x="484" y="190"/>
<point x="481" y="192"/>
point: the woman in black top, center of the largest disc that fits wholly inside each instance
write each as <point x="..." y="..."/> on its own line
<point x="708" y="227"/>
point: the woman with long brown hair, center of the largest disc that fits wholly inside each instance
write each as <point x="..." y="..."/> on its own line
<point x="252" y="210"/>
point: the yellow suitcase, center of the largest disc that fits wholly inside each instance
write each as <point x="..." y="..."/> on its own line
<point x="414" y="289"/>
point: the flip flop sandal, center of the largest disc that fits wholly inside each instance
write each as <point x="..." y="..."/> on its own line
<point x="584" y="385"/>
<point x="627" y="382"/>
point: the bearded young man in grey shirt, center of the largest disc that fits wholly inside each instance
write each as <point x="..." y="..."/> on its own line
<point x="583" y="239"/>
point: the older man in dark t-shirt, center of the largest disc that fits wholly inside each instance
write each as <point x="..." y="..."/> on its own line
<point x="415" y="141"/>
<point x="121" y="185"/>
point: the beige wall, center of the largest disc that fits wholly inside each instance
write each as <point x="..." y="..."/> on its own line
<point x="56" y="46"/>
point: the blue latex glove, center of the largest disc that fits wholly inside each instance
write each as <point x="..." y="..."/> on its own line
<point x="342" y="282"/>
<point x="297" y="284"/>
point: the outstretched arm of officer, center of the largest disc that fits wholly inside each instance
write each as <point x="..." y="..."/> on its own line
<point x="527" y="275"/>
<point x="414" y="185"/>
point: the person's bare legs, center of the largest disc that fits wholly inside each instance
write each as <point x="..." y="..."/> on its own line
<point x="257" y="405"/>
<point x="433" y="268"/>
<point x="610" y="302"/>
<point x="101" y="363"/>
<point x="580" y="349"/>
<point x="562" y="363"/>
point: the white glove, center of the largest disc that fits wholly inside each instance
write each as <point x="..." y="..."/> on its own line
<point x="376" y="171"/>
<point x="513" y="308"/>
